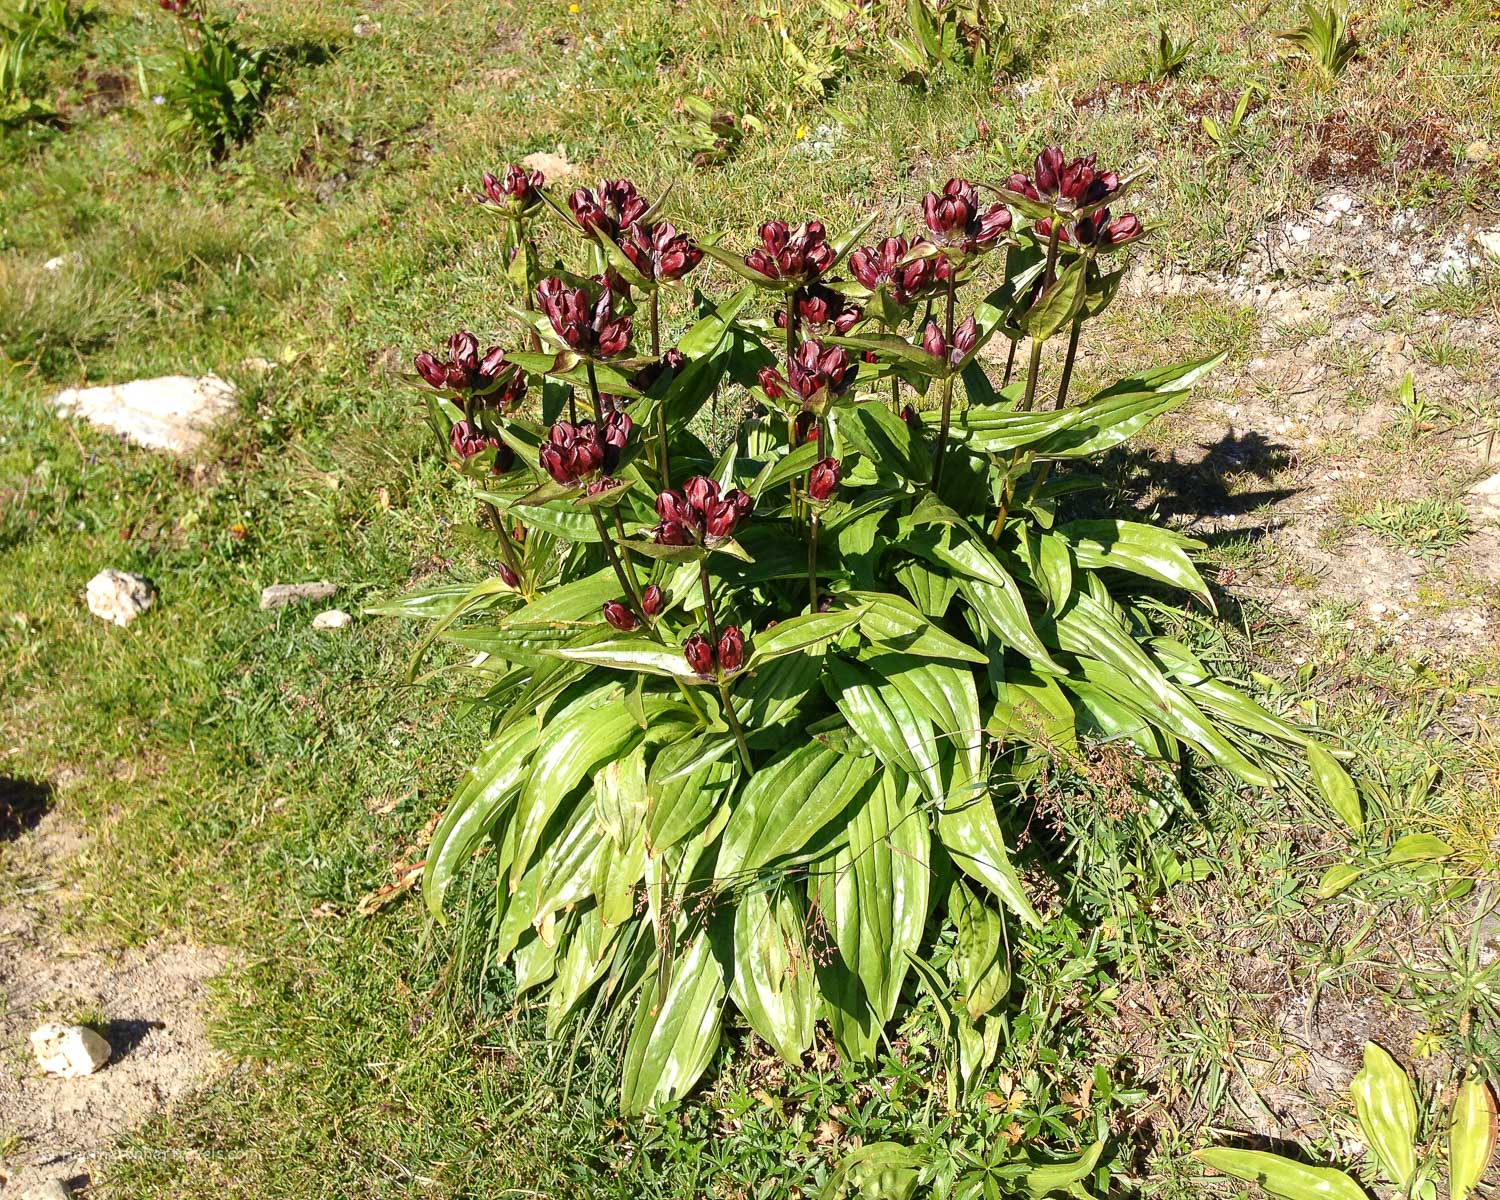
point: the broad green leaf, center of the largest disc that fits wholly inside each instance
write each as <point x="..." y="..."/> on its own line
<point x="1336" y="879"/>
<point x="876" y="906"/>
<point x="687" y="779"/>
<point x="1047" y="1178"/>
<point x="1418" y="847"/>
<point x="494" y="779"/>
<point x="1471" y="1137"/>
<point x="567" y="865"/>
<point x="901" y="736"/>
<point x="809" y="631"/>
<point x="775" y="981"/>
<point x="617" y="874"/>
<point x="620" y="795"/>
<point x="592" y="727"/>
<point x="898" y="624"/>
<point x="983" y="964"/>
<point x="639" y="654"/>
<point x="1387" y="1110"/>
<point x="785" y="803"/>
<point x="1336" y="786"/>
<point x="1283" y="1177"/>
<point x="1148" y="550"/>
<point x="945" y="694"/>
<point x="1059" y="302"/>
<point x="971" y="834"/>
<point x="581" y="963"/>
<point x="1087" y="628"/>
<point x="674" y="1036"/>
<point x="879" y="1170"/>
<point x="426" y="603"/>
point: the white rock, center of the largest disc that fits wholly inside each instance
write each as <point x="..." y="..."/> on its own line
<point x="1489" y="243"/>
<point x="1487" y="492"/>
<point x="278" y="595"/>
<point x="118" y="596"/>
<point x="69" y="1050"/>
<point x="333" y="618"/>
<point x="174" y="412"/>
<point x="1299" y="235"/>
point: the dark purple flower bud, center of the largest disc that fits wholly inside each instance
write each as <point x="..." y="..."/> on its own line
<point x="673" y="508"/>
<point x="463" y="350"/>
<point x="699" y="655"/>
<point x="723" y="516"/>
<point x="965" y="338"/>
<point x="954" y="217"/>
<point x="1049" y="165"/>
<point x="701" y="492"/>
<point x="822" y="308"/>
<point x="518" y="188"/>
<point x="933" y="341"/>
<point x="653" y="600"/>
<point x="573" y="454"/>
<point x="620" y="616"/>
<point x="805" y="427"/>
<point x="795" y="255"/>
<point x="1022" y="184"/>
<point x="731" y="650"/>
<point x="1121" y="230"/>
<point x="509" y="577"/>
<point x="814" y="368"/>
<point x="660" y="252"/>
<point x="616" y="206"/>
<point x="771" y="382"/>
<point x="825" y="604"/>
<point x="467" y="439"/>
<point x="432" y="370"/>
<point x="885" y="264"/>
<point x="587" y="326"/>
<point x="823" y="479"/>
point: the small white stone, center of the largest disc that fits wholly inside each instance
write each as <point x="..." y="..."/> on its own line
<point x="69" y="1050"/>
<point x="1489" y="242"/>
<point x="118" y="596"/>
<point x="333" y="618"/>
<point x="53" y="1189"/>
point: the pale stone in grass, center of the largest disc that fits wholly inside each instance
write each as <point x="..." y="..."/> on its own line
<point x="53" y="1189"/>
<point x="118" y="596"/>
<point x="1487" y="492"/>
<point x="332" y="618"/>
<point x="69" y="1050"/>
<point x="278" y="595"/>
<point x="174" y="412"/>
<point x="555" y="167"/>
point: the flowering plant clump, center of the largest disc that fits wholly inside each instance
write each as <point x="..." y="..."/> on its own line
<point x="763" y="718"/>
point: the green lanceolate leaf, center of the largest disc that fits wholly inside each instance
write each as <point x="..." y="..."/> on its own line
<point x="638" y="654"/>
<point x="1159" y="554"/>
<point x="785" y="804"/>
<point x="1418" y="847"/>
<point x="875" y="896"/>
<point x="983" y="963"/>
<point x="675" y="1035"/>
<point x="811" y="631"/>
<point x="493" y="781"/>
<point x="1087" y="628"/>
<point x="1283" y="1177"/>
<point x="593" y="726"/>
<point x="1047" y="1178"/>
<point x="901" y="736"/>
<point x="1058" y="304"/>
<point x="946" y="695"/>
<point x="1387" y="1110"/>
<point x="971" y="834"/>
<point x="775" y="983"/>
<point x="1471" y="1137"/>
<point x="880" y="1170"/>
<point x="620" y="796"/>
<point x="1336" y="787"/>
<point x="896" y="623"/>
<point x="687" y="780"/>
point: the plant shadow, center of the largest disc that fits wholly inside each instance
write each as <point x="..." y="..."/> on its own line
<point x="23" y="803"/>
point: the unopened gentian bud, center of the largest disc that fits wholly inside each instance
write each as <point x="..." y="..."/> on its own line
<point x="517" y="188"/>
<point x="912" y="418"/>
<point x="620" y="616"/>
<point x="955" y="219"/>
<point x="933" y="341"/>
<point x="699" y="655"/>
<point x="823" y="479"/>
<point x="509" y="577"/>
<point x="653" y="600"/>
<point x="731" y="650"/>
<point x="795" y="255"/>
<point x="771" y="382"/>
<point x="965" y="338"/>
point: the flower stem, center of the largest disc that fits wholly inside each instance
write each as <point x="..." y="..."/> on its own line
<point x="896" y="394"/>
<point x="1067" y="371"/>
<point x="507" y="547"/>
<point x="626" y="585"/>
<point x="708" y="604"/>
<point x="734" y="724"/>
<point x="947" y="387"/>
<point x="812" y="564"/>
<point x="663" y="455"/>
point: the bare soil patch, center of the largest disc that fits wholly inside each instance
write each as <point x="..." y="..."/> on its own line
<point x="147" y="1003"/>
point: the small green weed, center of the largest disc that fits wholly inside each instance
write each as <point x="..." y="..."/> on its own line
<point x="1427" y="526"/>
<point x="218" y="86"/>
<point x="1324" y="37"/>
<point x="1166" y="56"/>
<point x="1227" y="136"/>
